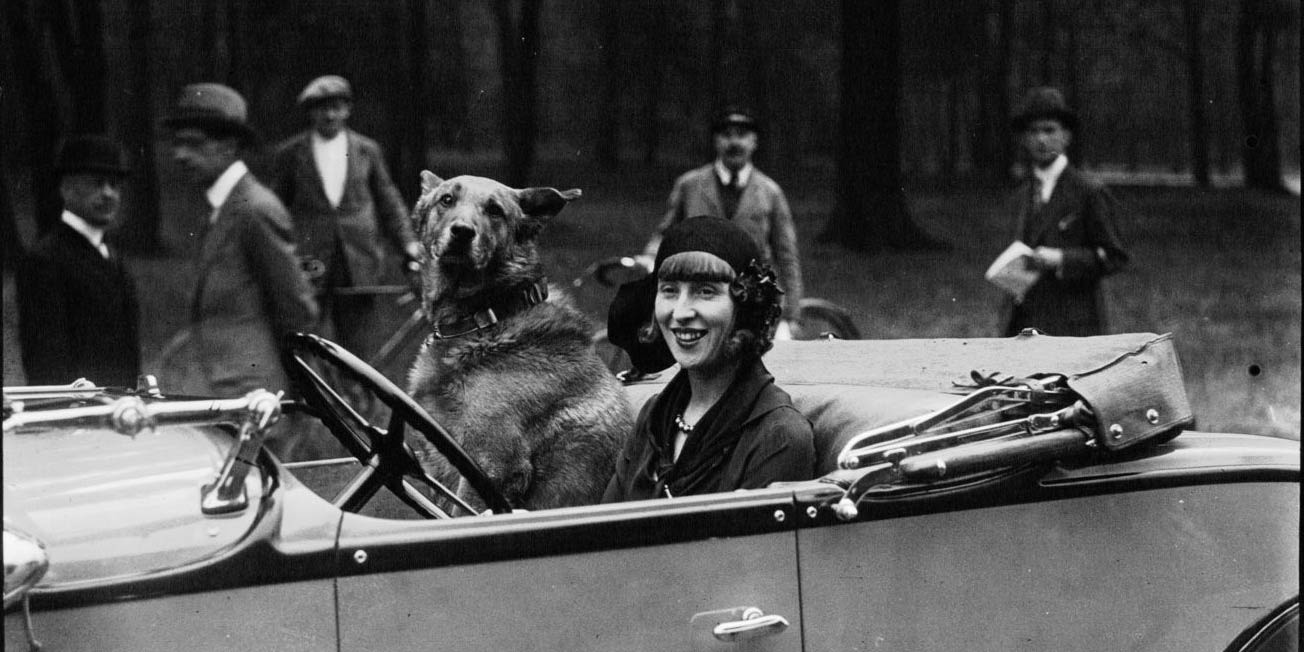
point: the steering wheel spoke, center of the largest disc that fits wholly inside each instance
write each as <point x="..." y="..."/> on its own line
<point x="387" y="459"/>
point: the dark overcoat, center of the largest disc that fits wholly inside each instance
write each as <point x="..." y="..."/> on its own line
<point x="78" y="314"/>
<point x="371" y="205"/>
<point x="1080" y="218"/>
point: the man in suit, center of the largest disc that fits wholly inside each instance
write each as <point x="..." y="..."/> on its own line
<point x="1069" y="222"/>
<point x="77" y="307"/>
<point x="732" y="188"/>
<point x="339" y="192"/>
<point x="249" y="288"/>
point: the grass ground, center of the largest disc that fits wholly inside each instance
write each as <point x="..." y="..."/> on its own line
<point x="1219" y="269"/>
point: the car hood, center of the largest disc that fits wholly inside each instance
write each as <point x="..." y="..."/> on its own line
<point x="108" y="505"/>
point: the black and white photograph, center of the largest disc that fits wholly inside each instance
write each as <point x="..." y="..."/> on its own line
<point x="623" y="325"/>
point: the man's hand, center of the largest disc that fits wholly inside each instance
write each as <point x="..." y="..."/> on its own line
<point x="412" y="266"/>
<point x="1047" y="258"/>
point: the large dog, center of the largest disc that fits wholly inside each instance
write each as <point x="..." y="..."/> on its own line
<point x="510" y="373"/>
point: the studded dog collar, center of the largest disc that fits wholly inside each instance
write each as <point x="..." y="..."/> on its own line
<point x="530" y="296"/>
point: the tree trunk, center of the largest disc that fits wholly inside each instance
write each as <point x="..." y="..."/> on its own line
<point x="872" y="212"/>
<point x="140" y="227"/>
<point x="412" y="154"/>
<point x="1193" y="13"/>
<point x="1256" y="40"/>
<point x="78" y="34"/>
<point x="607" y="148"/>
<point x="451" y="111"/>
<point x="44" y="123"/>
<point x="518" y="43"/>
<point x="655" y="74"/>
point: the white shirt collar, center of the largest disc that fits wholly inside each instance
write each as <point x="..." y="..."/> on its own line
<point x="94" y="234"/>
<point x="221" y="189"/>
<point x="1050" y="175"/>
<point x="722" y="173"/>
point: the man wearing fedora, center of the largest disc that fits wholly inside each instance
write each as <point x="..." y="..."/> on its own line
<point x="1067" y="219"/>
<point x="339" y="192"/>
<point x="732" y="188"/>
<point x="77" y="307"/>
<point x="249" y="289"/>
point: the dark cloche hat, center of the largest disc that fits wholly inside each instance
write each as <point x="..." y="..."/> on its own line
<point x="91" y="153"/>
<point x="1041" y="103"/>
<point x="326" y="87"/>
<point x="734" y="116"/>
<point x="214" y="108"/>
<point x="633" y="305"/>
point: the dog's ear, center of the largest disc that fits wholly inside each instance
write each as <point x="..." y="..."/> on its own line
<point x="429" y="181"/>
<point x="538" y="205"/>
<point x="545" y="202"/>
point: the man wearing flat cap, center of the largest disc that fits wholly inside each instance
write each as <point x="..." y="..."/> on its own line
<point x="733" y="189"/>
<point x="77" y="306"/>
<point x="339" y="192"/>
<point x="1067" y="219"/>
<point x="249" y="289"/>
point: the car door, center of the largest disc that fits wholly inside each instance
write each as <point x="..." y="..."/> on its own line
<point x="647" y="575"/>
<point x="1093" y="568"/>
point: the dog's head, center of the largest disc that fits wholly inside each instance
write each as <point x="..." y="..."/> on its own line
<point x="476" y="232"/>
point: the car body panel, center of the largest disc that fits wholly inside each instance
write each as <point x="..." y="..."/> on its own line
<point x="287" y="617"/>
<point x="1182" y="568"/>
<point x="615" y="577"/>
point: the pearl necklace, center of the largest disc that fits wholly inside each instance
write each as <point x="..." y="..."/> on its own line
<point x="681" y="424"/>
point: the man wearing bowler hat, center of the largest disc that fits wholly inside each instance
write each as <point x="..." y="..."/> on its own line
<point x="1067" y="220"/>
<point x="249" y="289"/>
<point x="339" y="192"/>
<point x="733" y="189"/>
<point x="77" y="306"/>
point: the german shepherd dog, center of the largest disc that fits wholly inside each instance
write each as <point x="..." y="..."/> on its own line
<point x="512" y="374"/>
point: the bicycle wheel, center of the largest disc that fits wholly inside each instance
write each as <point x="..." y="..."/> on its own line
<point x="823" y="319"/>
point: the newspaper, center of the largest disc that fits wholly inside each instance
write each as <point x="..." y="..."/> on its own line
<point x="1012" y="271"/>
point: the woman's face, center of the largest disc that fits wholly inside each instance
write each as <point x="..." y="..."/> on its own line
<point x="696" y="319"/>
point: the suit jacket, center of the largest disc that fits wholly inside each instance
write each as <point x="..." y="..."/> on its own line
<point x="249" y="292"/>
<point x="762" y="211"/>
<point x="370" y="201"/>
<point x="1080" y="219"/>
<point x="78" y="315"/>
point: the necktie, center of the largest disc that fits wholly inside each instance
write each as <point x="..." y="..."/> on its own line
<point x="1037" y="200"/>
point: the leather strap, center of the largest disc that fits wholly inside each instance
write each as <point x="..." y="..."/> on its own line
<point x="530" y="296"/>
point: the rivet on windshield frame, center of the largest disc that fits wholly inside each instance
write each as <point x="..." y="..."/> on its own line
<point x="360" y="556"/>
<point x="812" y="511"/>
<point x="1152" y="415"/>
<point x="779" y="515"/>
<point x="1116" y="431"/>
<point x="213" y="531"/>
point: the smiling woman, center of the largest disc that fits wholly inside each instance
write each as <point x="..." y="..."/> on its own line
<point x="721" y="424"/>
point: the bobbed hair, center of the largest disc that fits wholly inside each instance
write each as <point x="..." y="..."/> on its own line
<point x="754" y="292"/>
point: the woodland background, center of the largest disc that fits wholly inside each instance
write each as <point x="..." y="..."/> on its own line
<point x="886" y="122"/>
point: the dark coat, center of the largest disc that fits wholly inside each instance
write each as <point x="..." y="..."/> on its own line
<point x="1079" y="218"/>
<point x="370" y="206"/>
<point x="78" y="315"/>
<point x="249" y="293"/>
<point x="777" y="444"/>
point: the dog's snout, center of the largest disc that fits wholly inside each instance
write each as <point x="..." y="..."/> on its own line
<point x="461" y="231"/>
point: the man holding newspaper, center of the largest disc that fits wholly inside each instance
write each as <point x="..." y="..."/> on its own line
<point x="1066" y="239"/>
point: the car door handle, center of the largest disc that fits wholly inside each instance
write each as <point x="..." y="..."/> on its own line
<point x="754" y="624"/>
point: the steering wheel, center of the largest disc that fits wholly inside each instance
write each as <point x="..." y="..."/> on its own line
<point x="387" y="460"/>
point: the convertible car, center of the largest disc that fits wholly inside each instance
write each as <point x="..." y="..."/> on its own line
<point x="1029" y="493"/>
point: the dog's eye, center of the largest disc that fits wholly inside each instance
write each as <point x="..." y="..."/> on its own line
<point x="493" y="209"/>
<point x="447" y="199"/>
